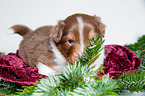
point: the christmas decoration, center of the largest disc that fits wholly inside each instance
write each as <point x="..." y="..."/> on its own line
<point x="13" y="69"/>
<point x="119" y="59"/>
<point x="80" y="79"/>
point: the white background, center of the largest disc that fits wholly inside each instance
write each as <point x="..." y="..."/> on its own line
<point x="125" y="19"/>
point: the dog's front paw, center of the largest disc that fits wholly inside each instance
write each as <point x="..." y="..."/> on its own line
<point x="44" y="70"/>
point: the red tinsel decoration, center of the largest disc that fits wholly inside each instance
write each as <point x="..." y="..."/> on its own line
<point x="119" y="59"/>
<point x="13" y="69"/>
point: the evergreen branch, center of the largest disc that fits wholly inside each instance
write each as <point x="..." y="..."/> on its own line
<point x="27" y="91"/>
<point x="92" y="50"/>
<point x="96" y="88"/>
<point x="7" y="87"/>
<point x="139" y="47"/>
<point x="48" y="86"/>
<point x="2" y="53"/>
<point x="132" y="82"/>
<point x="142" y="67"/>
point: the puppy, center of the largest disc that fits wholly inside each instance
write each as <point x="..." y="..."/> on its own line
<point x="49" y="48"/>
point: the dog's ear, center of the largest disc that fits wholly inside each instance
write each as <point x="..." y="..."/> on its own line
<point x="57" y="31"/>
<point x="99" y="25"/>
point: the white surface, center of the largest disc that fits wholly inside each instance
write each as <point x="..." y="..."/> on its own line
<point x="125" y="19"/>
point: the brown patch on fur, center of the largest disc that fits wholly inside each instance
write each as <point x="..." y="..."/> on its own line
<point x="21" y="29"/>
<point x="35" y="47"/>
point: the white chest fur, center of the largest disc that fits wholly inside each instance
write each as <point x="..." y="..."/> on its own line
<point x="59" y="59"/>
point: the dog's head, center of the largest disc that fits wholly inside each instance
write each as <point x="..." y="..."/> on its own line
<point x="71" y="35"/>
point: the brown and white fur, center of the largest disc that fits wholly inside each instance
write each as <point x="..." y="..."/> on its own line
<point x="49" y="48"/>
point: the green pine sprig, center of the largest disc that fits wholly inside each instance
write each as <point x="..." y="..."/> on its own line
<point x="103" y="88"/>
<point x="92" y="51"/>
<point x="7" y="88"/>
<point x="139" y="47"/>
<point x="131" y="82"/>
<point x="134" y="82"/>
<point x="2" y="53"/>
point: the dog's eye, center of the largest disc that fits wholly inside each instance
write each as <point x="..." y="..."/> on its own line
<point x="70" y="41"/>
